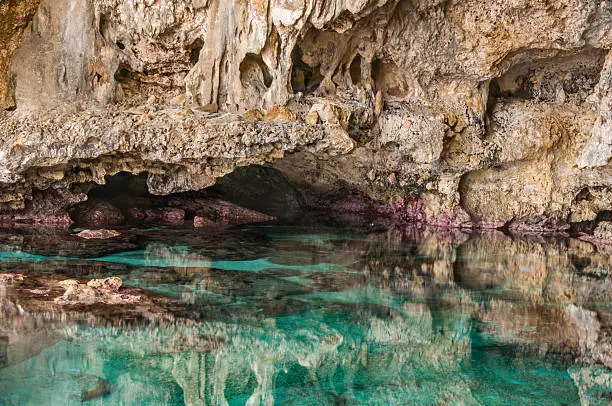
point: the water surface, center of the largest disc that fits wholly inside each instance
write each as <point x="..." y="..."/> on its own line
<point x="265" y="314"/>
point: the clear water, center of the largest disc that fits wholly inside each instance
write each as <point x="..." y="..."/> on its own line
<point x="312" y="316"/>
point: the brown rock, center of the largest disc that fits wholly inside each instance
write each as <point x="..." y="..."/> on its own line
<point x="312" y="118"/>
<point x="280" y="113"/>
<point x="200" y="221"/>
<point x="170" y="215"/>
<point x="253" y="115"/>
<point x="15" y="15"/>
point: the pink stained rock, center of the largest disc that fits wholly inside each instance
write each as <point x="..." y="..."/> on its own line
<point x="97" y="213"/>
<point x="170" y="215"/>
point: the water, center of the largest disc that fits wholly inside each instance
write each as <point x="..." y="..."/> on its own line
<point x="308" y="316"/>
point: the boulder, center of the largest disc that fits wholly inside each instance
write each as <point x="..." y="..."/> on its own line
<point x="97" y="213"/>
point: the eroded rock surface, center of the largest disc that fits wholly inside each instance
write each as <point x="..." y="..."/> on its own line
<point x="456" y="113"/>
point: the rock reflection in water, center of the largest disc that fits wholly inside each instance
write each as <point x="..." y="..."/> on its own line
<point x="264" y="315"/>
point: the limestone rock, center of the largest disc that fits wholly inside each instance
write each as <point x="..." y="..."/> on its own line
<point x="98" y="234"/>
<point x="603" y="231"/>
<point x="15" y="15"/>
<point x="598" y="149"/>
<point x="280" y="113"/>
<point x="111" y="284"/>
<point x="384" y="101"/>
<point x="98" y="291"/>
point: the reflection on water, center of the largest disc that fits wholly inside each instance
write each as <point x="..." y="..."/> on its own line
<point x="304" y="316"/>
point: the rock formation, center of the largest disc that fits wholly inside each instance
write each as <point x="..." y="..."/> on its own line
<point x="454" y="113"/>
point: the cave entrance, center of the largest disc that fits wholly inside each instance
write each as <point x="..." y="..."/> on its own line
<point x="260" y="188"/>
<point x="304" y="78"/>
<point x="114" y="203"/>
<point x="250" y="192"/>
<point x="567" y="77"/>
<point x="123" y="186"/>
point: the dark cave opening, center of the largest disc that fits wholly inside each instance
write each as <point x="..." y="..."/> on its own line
<point x="566" y="77"/>
<point x="389" y="78"/>
<point x="355" y="70"/>
<point x="588" y="227"/>
<point x="304" y="78"/>
<point x="194" y="51"/>
<point x="250" y="192"/>
<point x="260" y="188"/>
<point x="122" y="185"/>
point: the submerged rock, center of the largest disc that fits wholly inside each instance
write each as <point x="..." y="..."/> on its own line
<point x="10" y="277"/>
<point x="105" y="291"/>
<point x="93" y="387"/>
<point x="98" y="234"/>
<point x="67" y="283"/>
<point x="111" y="284"/>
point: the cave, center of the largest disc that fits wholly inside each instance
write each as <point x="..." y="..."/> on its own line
<point x="389" y="79"/>
<point x="306" y="202"/>
<point x="304" y="78"/>
<point x="254" y="72"/>
<point x="355" y="70"/>
<point x="124" y="199"/>
<point x="260" y="188"/>
<point x="565" y="77"/>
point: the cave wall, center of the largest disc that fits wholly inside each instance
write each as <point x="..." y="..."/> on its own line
<point x="456" y="113"/>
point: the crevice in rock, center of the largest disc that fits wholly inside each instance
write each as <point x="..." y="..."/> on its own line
<point x="127" y="80"/>
<point x="304" y="78"/>
<point x="194" y="50"/>
<point x="388" y="78"/>
<point x="254" y="72"/>
<point x="355" y="70"/>
<point x="563" y="78"/>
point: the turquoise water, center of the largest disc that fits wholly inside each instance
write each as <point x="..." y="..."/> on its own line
<point x="310" y="316"/>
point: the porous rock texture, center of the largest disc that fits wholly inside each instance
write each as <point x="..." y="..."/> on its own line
<point x="464" y="113"/>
